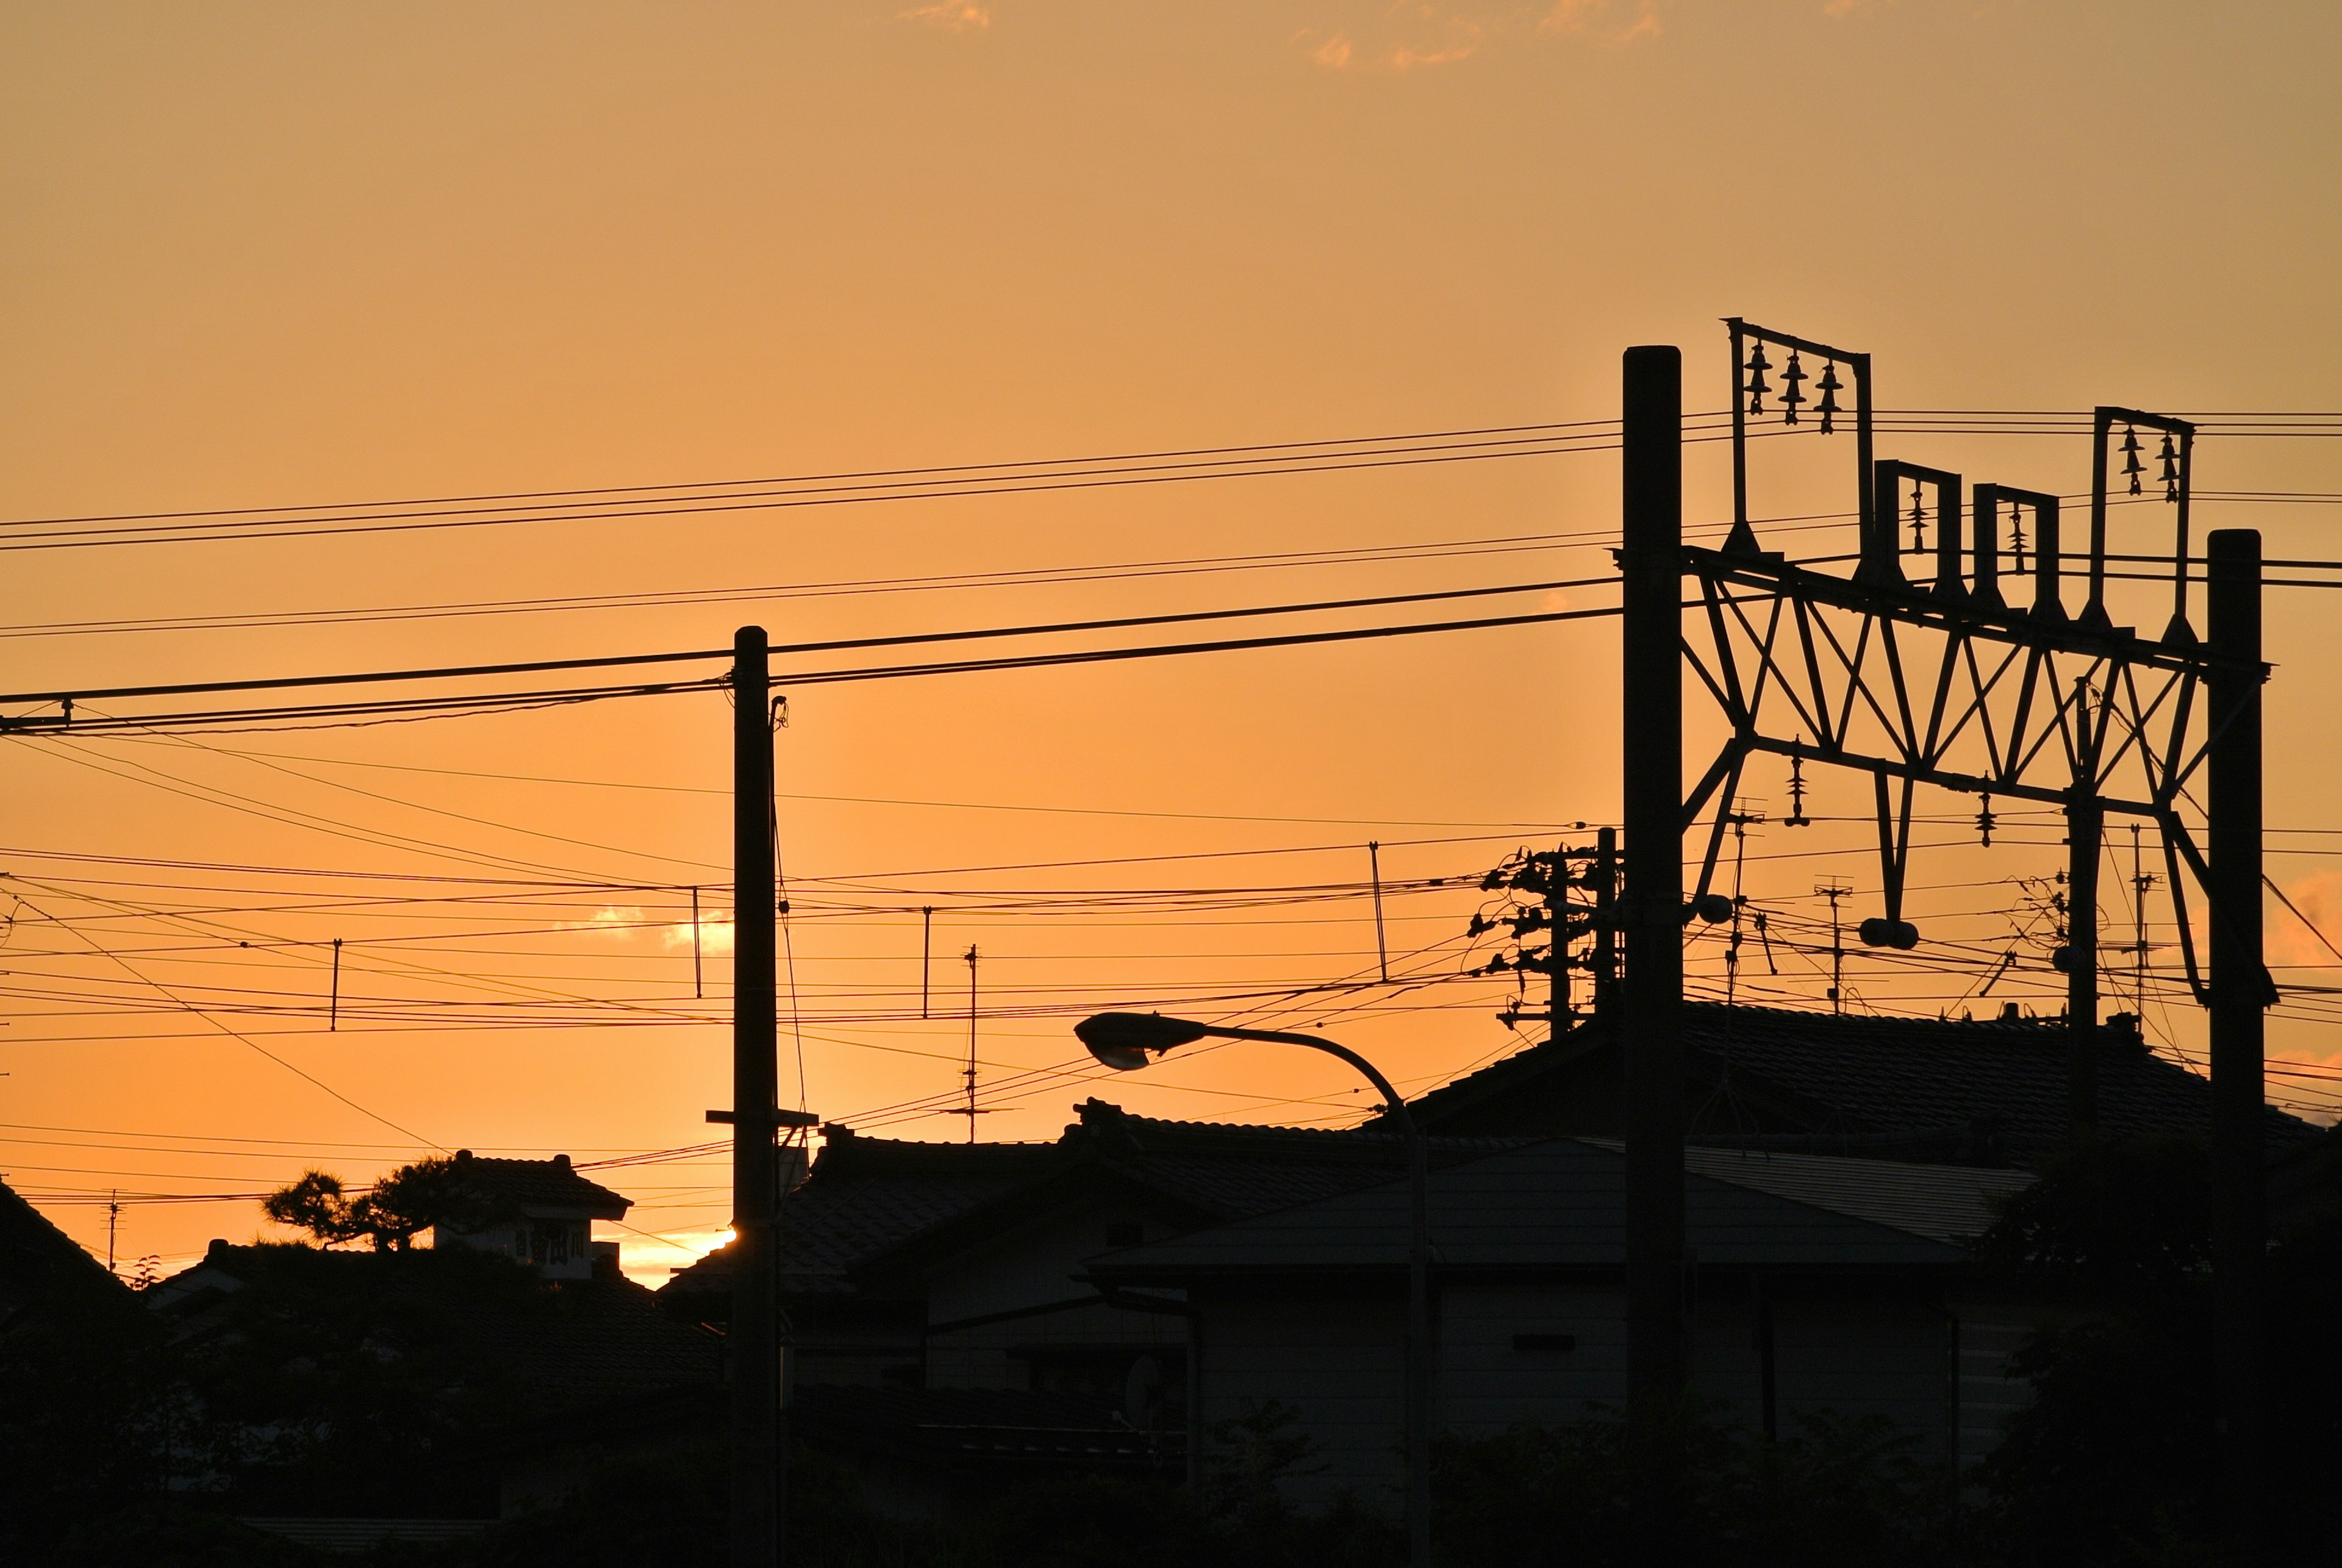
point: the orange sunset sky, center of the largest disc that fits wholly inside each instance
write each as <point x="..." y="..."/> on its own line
<point x="284" y="256"/>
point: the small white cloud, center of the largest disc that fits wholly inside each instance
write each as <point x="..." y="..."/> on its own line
<point x="610" y="919"/>
<point x="715" y="932"/>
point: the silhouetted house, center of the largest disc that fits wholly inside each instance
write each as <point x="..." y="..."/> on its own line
<point x="44" y="1275"/>
<point x="1988" y="1091"/>
<point x="1819" y="1282"/>
<point x="538" y="1211"/>
<point x="941" y="1326"/>
<point x="518" y="1363"/>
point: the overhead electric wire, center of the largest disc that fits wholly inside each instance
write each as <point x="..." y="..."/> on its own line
<point x="1013" y="477"/>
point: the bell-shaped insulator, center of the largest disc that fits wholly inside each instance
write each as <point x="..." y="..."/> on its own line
<point x="1827" y="408"/>
<point x="1757" y="387"/>
<point x="2017" y="533"/>
<point x="1918" y="517"/>
<point x="1792" y="393"/>
<point x="2131" y="465"/>
<point x="2169" y="456"/>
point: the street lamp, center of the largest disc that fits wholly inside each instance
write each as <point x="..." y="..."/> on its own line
<point x="1127" y="1042"/>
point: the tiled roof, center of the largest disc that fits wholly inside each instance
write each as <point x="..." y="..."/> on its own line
<point x="868" y="1197"/>
<point x="568" y="1340"/>
<point x="540" y="1184"/>
<point x="43" y="1269"/>
<point x="1859" y="1075"/>
<point x="1948" y="1202"/>
<point x="1559" y="1204"/>
<point x="865" y="1195"/>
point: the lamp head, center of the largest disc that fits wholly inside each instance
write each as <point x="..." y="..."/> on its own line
<point x="1125" y="1041"/>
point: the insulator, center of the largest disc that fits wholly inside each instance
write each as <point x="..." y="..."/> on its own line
<point x="1757" y="388"/>
<point x="2170" y="459"/>
<point x="2017" y="532"/>
<point x="1918" y="517"/>
<point x="2131" y="465"/>
<point x="1984" y="821"/>
<point x="1792" y="393"/>
<point x="1827" y="408"/>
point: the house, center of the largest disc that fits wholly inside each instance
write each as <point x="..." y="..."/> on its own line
<point x="46" y="1277"/>
<point x="495" y="1370"/>
<point x="539" y="1211"/>
<point x="941" y="1330"/>
<point x="1819" y="1282"/>
<point x="1988" y="1091"/>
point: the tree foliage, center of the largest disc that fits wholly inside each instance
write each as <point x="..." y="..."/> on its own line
<point x="399" y="1207"/>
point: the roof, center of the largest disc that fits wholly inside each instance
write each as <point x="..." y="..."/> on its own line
<point x="865" y="1195"/>
<point x="868" y="1198"/>
<point x="1555" y="1205"/>
<point x="1953" y="1204"/>
<point x="42" y="1269"/>
<point x="1868" y="1083"/>
<point x="551" y="1183"/>
<point x="567" y="1340"/>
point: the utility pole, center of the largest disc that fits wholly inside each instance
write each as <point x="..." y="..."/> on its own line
<point x="2240" y="990"/>
<point x="1606" y="920"/>
<point x="753" y="1337"/>
<point x="2084" y="829"/>
<point x="1652" y="565"/>
<point x="1556" y="914"/>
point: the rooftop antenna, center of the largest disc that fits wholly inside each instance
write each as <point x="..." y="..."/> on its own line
<point x="1740" y="817"/>
<point x="971" y="1111"/>
<point x="2141" y="880"/>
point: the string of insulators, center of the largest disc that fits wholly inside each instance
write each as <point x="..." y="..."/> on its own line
<point x="2131" y="465"/>
<point x="1792" y="392"/>
<point x="2170" y="459"/>
<point x="1827" y="408"/>
<point x="1757" y="385"/>
<point x="1985" y="821"/>
<point x="1918" y="517"/>
<point x="2017" y="532"/>
<point x="1797" y="817"/>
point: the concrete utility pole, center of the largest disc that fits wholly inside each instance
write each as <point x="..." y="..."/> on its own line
<point x="1652" y="909"/>
<point x="753" y="1337"/>
<point x="2239" y="992"/>
<point x="2084" y="829"/>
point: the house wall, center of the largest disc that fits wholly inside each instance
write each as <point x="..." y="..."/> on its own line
<point x="1084" y="1349"/>
<point x="1039" y="1263"/>
<point x="1337" y="1360"/>
<point x="1086" y="1346"/>
<point x="1991" y="1332"/>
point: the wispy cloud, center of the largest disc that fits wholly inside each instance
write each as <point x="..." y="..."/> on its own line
<point x="1410" y="36"/>
<point x="2319" y="899"/>
<point x="1604" y="21"/>
<point x="953" y="15"/>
